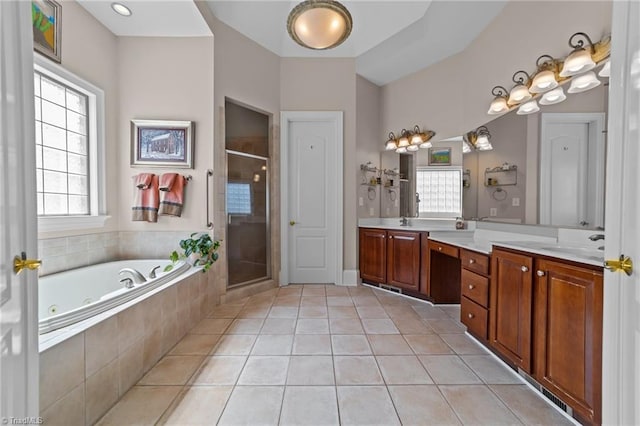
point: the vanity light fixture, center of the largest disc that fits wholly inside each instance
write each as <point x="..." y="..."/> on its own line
<point x="529" y="107"/>
<point x="553" y="97"/>
<point x="584" y="82"/>
<point x="606" y="70"/>
<point x="520" y="92"/>
<point x="545" y="78"/>
<point x="409" y="141"/>
<point x="121" y="9"/>
<point x="499" y="102"/>
<point x="479" y="139"/>
<point x="319" y="24"/>
<point x="403" y="140"/>
<point x="466" y="148"/>
<point x="580" y="59"/>
<point x="391" y="144"/>
<point x="422" y="139"/>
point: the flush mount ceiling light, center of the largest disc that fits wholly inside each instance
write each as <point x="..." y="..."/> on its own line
<point x="528" y="108"/>
<point x="580" y="59"/>
<point x="499" y="103"/>
<point x="545" y="78"/>
<point x="584" y="82"/>
<point x="520" y="92"/>
<point x="319" y="24"/>
<point x="121" y="9"/>
<point x="555" y="96"/>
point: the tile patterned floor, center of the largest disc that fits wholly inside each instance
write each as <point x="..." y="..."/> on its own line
<point x="326" y="355"/>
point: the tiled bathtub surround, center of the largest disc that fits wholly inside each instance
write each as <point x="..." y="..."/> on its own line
<point x="82" y="377"/>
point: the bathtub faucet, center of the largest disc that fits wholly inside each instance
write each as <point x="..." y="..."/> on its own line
<point x="138" y="278"/>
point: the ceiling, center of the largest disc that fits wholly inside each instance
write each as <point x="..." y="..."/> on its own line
<point x="389" y="40"/>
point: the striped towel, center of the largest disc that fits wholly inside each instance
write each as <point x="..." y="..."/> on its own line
<point x="145" y="200"/>
<point x="143" y="180"/>
<point x="172" y="194"/>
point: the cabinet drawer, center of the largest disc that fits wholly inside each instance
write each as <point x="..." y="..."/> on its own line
<point x="475" y="287"/>
<point x="474" y="261"/>
<point x="444" y="248"/>
<point x="474" y="317"/>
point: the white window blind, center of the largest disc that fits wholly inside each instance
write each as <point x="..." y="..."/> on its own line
<point x="440" y="191"/>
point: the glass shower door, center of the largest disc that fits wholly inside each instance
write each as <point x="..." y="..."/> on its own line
<point x="247" y="218"/>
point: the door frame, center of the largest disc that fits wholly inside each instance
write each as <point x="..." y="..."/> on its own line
<point x="286" y="118"/>
<point x="596" y="143"/>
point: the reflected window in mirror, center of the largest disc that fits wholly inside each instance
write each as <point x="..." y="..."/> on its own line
<point x="439" y="190"/>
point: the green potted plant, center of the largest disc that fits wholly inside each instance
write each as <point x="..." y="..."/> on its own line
<point x="199" y="247"/>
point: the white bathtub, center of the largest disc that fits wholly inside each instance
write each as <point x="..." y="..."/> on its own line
<point x="72" y="296"/>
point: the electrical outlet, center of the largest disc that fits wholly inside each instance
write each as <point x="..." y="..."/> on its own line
<point x="371" y="211"/>
<point x="493" y="211"/>
<point x="361" y="201"/>
<point x="515" y="202"/>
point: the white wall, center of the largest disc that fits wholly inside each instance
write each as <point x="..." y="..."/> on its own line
<point x="368" y="145"/>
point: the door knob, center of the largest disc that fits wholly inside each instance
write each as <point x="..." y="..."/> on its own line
<point x="21" y="262"/>
<point x="623" y="264"/>
<point x="292" y="222"/>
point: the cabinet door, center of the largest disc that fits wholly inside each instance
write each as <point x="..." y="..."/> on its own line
<point x="373" y="255"/>
<point x="403" y="259"/>
<point x="511" y="298"/>
<point x="568" y="335"/>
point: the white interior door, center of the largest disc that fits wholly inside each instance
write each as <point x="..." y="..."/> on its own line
<point x="312" y="197"/>
<point x="18" y="293"/>
<point x="571" y="169"/>
<point x="621" y="328"/>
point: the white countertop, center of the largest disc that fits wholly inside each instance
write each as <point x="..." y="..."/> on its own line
<point x="579" y="254"/>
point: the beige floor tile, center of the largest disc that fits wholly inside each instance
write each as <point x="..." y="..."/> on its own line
<point x="360" y="290"/>
<point x="342" y="312"/>
<point x="387" y="300"/>
<point x="219" y="370"/>
<point x="234" y="344"/>
<point x="403" y="370"/>
<point x="310" y="371"/>
<point x="141" y="405"/>
<point x="334" y="290"/>
<point x="254" y="312"/>
<point x="430" y="312"/>
<point x="195" y="344"/>
<point x="313" y="301"/>
<point x="379" y="326"/>
<point x="491" y="371"/>
<point x="309" y="405"/>
<point x="264" y="370"/>
<point x="283" y="312"/>
<point x="225" y="311"/>
<point x="279" y="326"/>
<point x="290" y="290"/>
<point x="422" y="405"/>
<point x="476" y="404"/>
<point x="430" y="344"/>
<point x="445" y="326"/>
<point x="311" y="344"/>
<point x="273" y="344"/>
<point x="452" y="310"/>
<point x="211" y="326"/>
<point x="253" y="405"/>
<point x="528" y="406"/>
<point x="313" y="290"/>
<point x="312" y="326"/>
<point x="401" y="312"/>
<point x="367" y="300"/>
<point x="350" y="344"/>
<point x="313" y="312"/>
<point x="371" y="312"/>
<point x="412" y="326"/>
<point x="245" y="326"/>
<point x="197" y="405"/>
<point x="463" y="344"/>
<point x="345" y="326"/>
<point x="389" y="344"/>
<point x="449" y="370"/>
<point x="287" y="302"/>
<point x="366" y="405"/>
<point x="339" y="301"/>
<point x="357" y="370"/>
<point x="172" y="370"/>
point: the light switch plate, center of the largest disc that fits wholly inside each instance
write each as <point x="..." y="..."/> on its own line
<point x="515" y="202"/>
<point x="493" y="211"/>
<point x="361" y="201"/>
<point x="370" y="211"/>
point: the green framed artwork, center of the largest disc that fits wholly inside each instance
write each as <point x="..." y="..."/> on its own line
<point x="439" y="156"/>
<point x="45" y="19"/>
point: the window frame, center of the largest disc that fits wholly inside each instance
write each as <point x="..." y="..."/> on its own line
<point x="96" y="158"/>
<point x="447" y="215"/>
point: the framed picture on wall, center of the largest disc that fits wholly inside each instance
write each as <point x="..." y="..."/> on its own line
<point x="45" y="20"/>
<point x="162" y="143"/>
<point x="439" y="156"/>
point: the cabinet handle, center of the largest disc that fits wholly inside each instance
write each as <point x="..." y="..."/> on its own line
<point x="439" y="248"/>
<point x="472" y="261"/>
<point x="524" y="269"/>
<point x="391" y="237"/>
<point x="540" y="273"/>
<point x="471" y="286"/>
<point x="470" y="316"/>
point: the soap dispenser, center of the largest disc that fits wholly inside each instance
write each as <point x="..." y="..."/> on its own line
<point x="460" y="223"/>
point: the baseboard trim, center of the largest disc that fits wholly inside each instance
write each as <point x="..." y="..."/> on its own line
<point x="350" y="277"/>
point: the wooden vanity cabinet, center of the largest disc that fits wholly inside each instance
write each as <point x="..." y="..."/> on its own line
<point x="568" y="335"/>
<point x="511" y="307"/>
<point x="441" y="283"/>
<point x="474" y="301"/>
<point x="403" y="259"/>
<point x="373" y="255"/>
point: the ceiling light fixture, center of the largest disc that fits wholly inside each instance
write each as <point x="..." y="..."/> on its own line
<point x="319" y="24"/>
<point x="545" y="78"/>
<point x="121" y="9"/>
<point x="555" y="96"/>
<point x="499" y="102"/>
<point x="579" y="60"/>
<point x="520" y="92"/>
<point x="584" y="82"/>
<point x="479" y="139"/>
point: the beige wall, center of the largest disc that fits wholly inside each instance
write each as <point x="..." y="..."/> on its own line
<point x="329" y="85"/>
<point x="452" y="97"/>
<point x="368" y="130"/>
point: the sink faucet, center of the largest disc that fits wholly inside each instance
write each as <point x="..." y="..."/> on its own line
<point x="596" y="237"/>
<point x="138" y="278"/>
<point x="128" y="282"/>
<point x="404" y="221"/>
